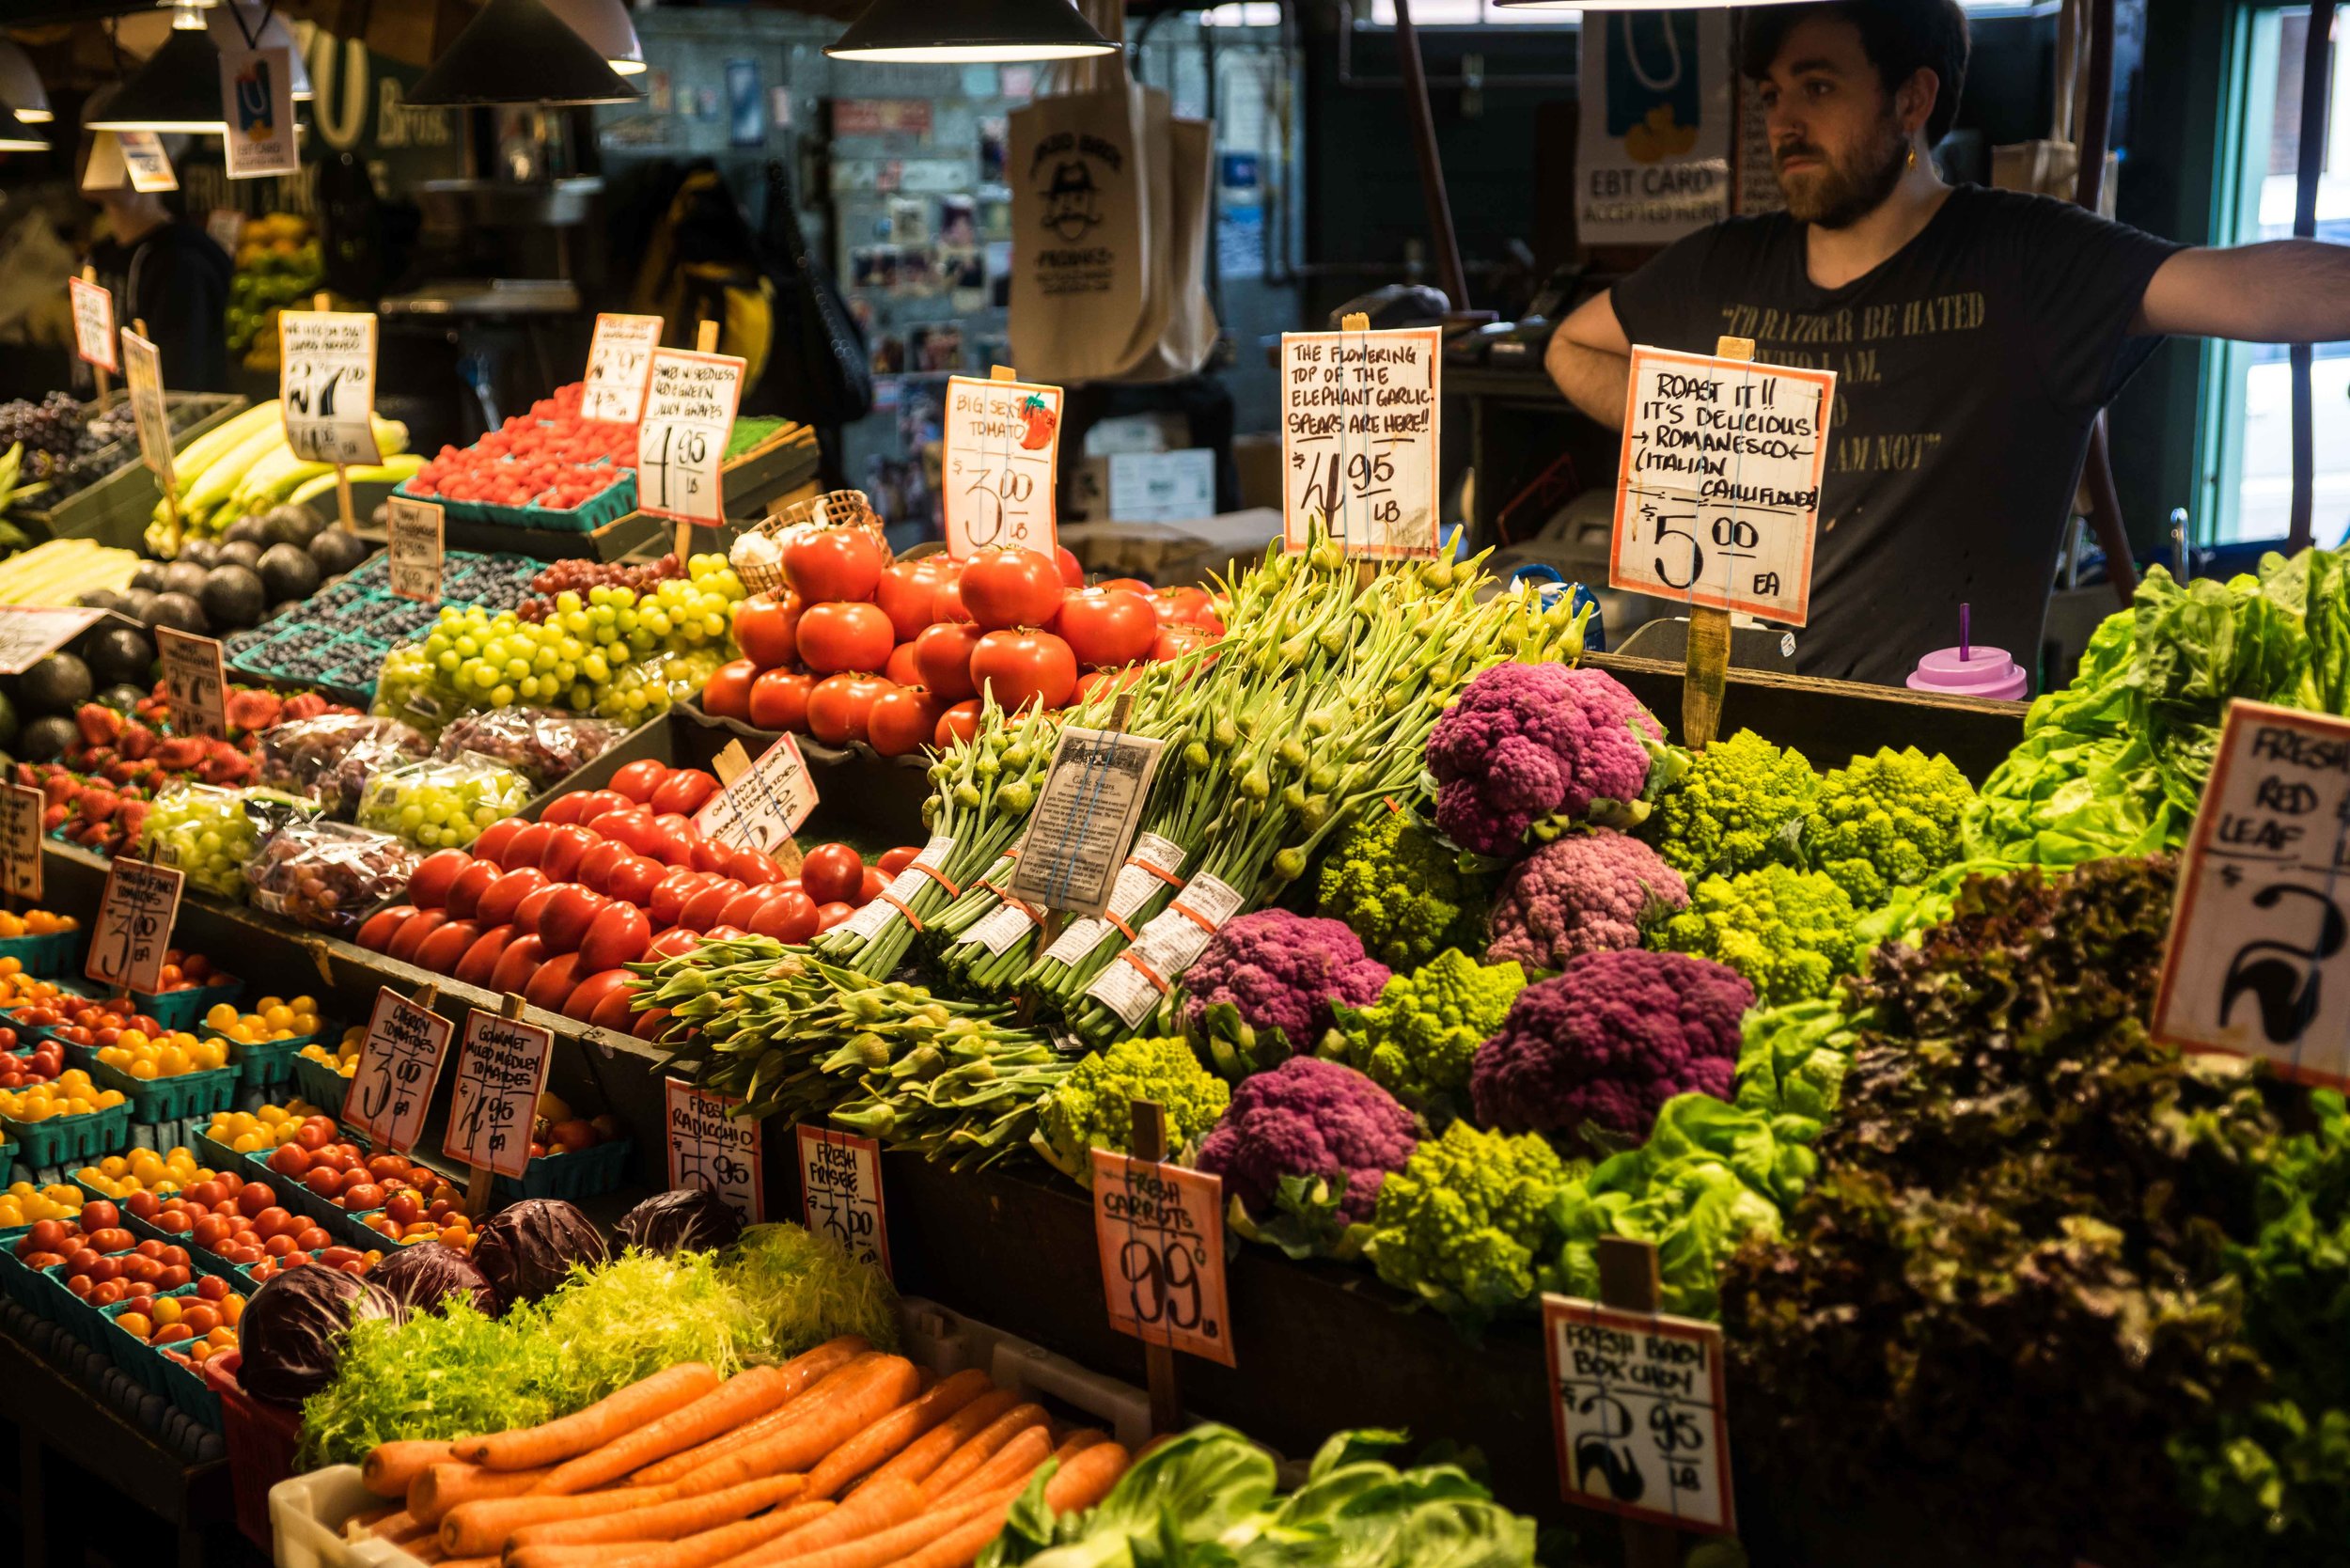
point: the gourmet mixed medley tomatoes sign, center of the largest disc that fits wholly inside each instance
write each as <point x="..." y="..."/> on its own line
<point x="1160" y="1229"/>
<point x="1002" y="454"/>
<point x="501" y="1071"/>
<point x="681" y="444"/>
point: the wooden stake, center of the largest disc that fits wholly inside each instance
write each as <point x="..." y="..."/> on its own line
<point x="1628" y="1281"/>
<point x="322" y="301"/>
<point x="1706" y="662"/>
<point x="89" y="275"/>
<point x="480" y="1181"/>
<point x="1004" y="372"/>
<point x="171" y="493"/>
<point x="1158" y="1360"/>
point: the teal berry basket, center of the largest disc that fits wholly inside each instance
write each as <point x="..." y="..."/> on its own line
<point x="585" y="1173"/>
<point x="608" y="505"/>
<point x="319" y="1084"/>
<point x="62" y="1139"/>
<point x="173" y="1099"/>
<point x="69" y="1312"/>
<point x="191" y="1395"/>
<point x="183" y="1009"/>
<point x="50" y="957"/>
<point x="17" y="1283"/>
<point x="136" y="1356"/>
<point x="267" y="1063"/>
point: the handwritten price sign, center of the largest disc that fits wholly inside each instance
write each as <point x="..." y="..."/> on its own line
<point x="619" y="367"/>
<point x="21" y="810"/>
<point x="1639" y="1413"/>
<point x="144" y="371"/>
<point x="29" y="635"/>
<point x="193" y="681"/>
<point x="840" y="1192"/>
<point x="720" y="1154"/>
<point x="94" y="325"/>
<point x="326" y="379"/>
<point x="398" y="1064"/>
<point x="134" y="917"/>
<point x="1360" y="420"/>
<point x="501" y="1071"/>
<point x="681" y="443"/>
<point x="1002" y="455"/>
<point x="1160" y="1229"/>
<point x="766" y="804"/>
<point x="415" y="533"/>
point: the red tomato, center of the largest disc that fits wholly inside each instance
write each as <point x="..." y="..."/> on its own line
<point x="901" y="721"/>
<point x="1132" y="585"/>
<point x="900" y="665"/>
<point x="1173" y="641"/>
<point x="831" y="914"/>
<point x="1072" y="572"/>
<point x="779" y="700"/>
<point x="957" y="723"/>
<point x="1010" y="588"/>
<point x="684" y="792"/>
<point x="1105" y="626"/>
<point x="670" y="894"/>
<point x="838" y="706"/>
<point x="1186" y="606"/>
<point x="869" y="887"/>
<point x="835" y="564"/>
<point x="490" y="845"/>
<point x="1020" y="667"/>
<point x="833" y="873"/>
<point x="946" y="605"/>
<point x="729" y="694"/>
<point x="428" y="883"/>
<point x="1094" y="679"/>
<point x="788" y="916"/>
<point x="638" y="781"/>
<point x="633" y="880"/>
<point x="906" y="592"/>
<point x="505" y="896"/>
<point x="942" y="656"/>
<point x="896" y="860"/>
<point x="381" y="927"/>
<point x="767" y="629"/>
<point x="837" y="637"/>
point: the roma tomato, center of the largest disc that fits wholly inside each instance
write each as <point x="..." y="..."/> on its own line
<point x="900" y="668"/>
<point x="838" y="637"/>
<point x="869" y="885"/>
<point x="1104" y="627"/>
<point x="825" y="565"/>
<point x="905" y="594"/>
<point x="834" y="872"/>
<point x="788" y="916"/>
<point x="902" y="722"/>
<point x="728" y="693"/>
<point x="1020" y="667"/>
<point x="1072" y="572"/>
<point x="767" y="629"/>
<point x="838" y="706"/>
<point x="779" y="700"/>
<point x="957" y="723"/>
<point x="1010" y="588"/>
<point x="941" y="657"/>
<point x="1094" y="679"/>
<point x="831" y="914"/>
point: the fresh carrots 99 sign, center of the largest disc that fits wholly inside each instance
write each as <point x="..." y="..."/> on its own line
<point x="1160" y="1229"/>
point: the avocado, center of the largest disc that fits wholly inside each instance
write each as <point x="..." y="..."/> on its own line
<point x="293" y="524"/>
<point x="119" y="653"/>
<point x="199" y="552"/>
<point x="338" y="551"/>
<point x="180" y="612"/>
<point x="100" y="599"/>
<point x="148" y="576"/>
<point x="288" y="573"/>
<point x="123" y="698"/>
<point x="249" y="530"/>
<point x="59" y="684"/>
<point x="233" y="597"/>
<point x="140" y="604"/>
<point x="240" y="551"/>
<point x="45" y="740"/>
<point x="183" y="578"/>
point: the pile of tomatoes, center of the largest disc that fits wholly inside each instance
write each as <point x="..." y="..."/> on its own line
<point x="343" y="1174"/>
<point x="87" y="1020"/>
<point x="42" y="1063"/>
<point x="549" y="457"/>
<point x="897" y="655"/>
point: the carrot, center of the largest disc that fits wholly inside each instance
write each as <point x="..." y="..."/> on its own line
<point x="668" y="1521"/>
<point x="357" y="1526"/>
<point x="883" y="1545"/>
<point x="467" y="1561"/>
<point x="886" y="1437"/>
<point x="390" y="1466"/>
<point x="1028" y="1447"/>
<point x="426" y="1550"/>
<point x="1079" y="1483"/>
<point x="574" y="1556"/>
<point x="470" y="1528"/>
<point x="815" y="1378"/>
<point x="742" y="1398"/>
<point x="975" y="1452"/>
<point x="713" y="1546"/>
<point x="917" y="1459"/>
<point x="401" y="1526"/>
<point x="1078" y="1441"/>
<point x="876" y="1508"/>
<point x="885" y="1385"/>
<point x="442" y="1487"/>
<point x="608" y="1418"/>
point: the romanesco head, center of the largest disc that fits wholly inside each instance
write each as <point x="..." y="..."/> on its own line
<point x="1093" y="1107"/>
<point x="1886" y="822"/>
<point x="1789" y="933"/>
<point x="1402" y="891"/>
<point x="1738" y="806"/>
<point x="1471" y="1223"/>
<point x="1416" y="1041"/>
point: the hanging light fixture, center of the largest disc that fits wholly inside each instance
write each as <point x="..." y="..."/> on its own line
<point x="519" y="52"/>
<point x="916" y="32"/>
<point x="1636" y="4"/>
<point x="17" y="139"/>
<point x="177" y="90"/>
<point x="21" y="88"/>
<point x="606" y="25"/>
<point x="272" y="34"/>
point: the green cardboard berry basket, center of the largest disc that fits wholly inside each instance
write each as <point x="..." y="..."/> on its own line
<point x="173" y="1099"/>
<point x="322" y="1086"/>
<point x="191" y="1394"/>
<point x="17" y="1283"/>
<point x="47" y="1145"/>
<point x="60" y="1306"/>
<point x="184" y="1009"/>
<point x="135" y="1355"/>
<point x="50" y="957"/>
<point x="583" y="1173"/>
<point x="265" y="1064"/>
<point x="608" y="505"/>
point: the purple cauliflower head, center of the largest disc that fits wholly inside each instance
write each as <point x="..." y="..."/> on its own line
<point x="1311" y="1118"/>
<point x="1525" y="741"/>
<point x="1283" y="971"/>
<point x="1607" y="1043"/>
<point x="1586" y="893"/>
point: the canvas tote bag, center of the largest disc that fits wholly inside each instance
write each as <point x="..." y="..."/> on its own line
<point x="1188" y="335"/>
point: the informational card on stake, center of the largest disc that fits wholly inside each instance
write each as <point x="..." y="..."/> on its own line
<point x="682" y="441"/>
<point x="1083" y="819"/>
<point x="21" y="808"/>
<point x="94" y="323"/>
<point x="1361" y="418"/>
<point x="1160" y="1231"/>
<point x="399" y="1062"/>
<point x="501" y="1071"/>
<point x="1640" y="1415"/>
<point x="416" y="537"/>
<point x="143" y="372"/>
<point x="2258" y="962"/>
<point x="620" y="367"/>
<point x="134" y="926"/>
<point x="762" y="805"/>
<point x="257" y="97"/>
<point x="717" y="1152"/>
<point x="193" y="681"/>
<point x="1000" y="465"/>
<point x="326" y="379"/>
<point x="840" y="1192"/>
<point x="30" y="633"/>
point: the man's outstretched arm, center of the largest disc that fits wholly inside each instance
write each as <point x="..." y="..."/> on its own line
<point x="2282" y="292"/>
<point x="1590" y="359"/>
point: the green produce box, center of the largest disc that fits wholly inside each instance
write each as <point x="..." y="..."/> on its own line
<point x="191" y="1394"/>
<point x="320" y="1085"/>
<point x="17" y="1283"/>
<point x="588" y="1173"/>
<point x="214" y="1155"/>
<point x="50" y="957"/>
<point x="173" y="1099"/>
<point x="138" y="1359"/>
<point x="608" y="505"/>
<point x="184" y="1009"/>
<point x="75" y="1139"/>
<point x="355" y="1233"/>
<point x="69" y="1312"/>
<point x="269" y="1063"/>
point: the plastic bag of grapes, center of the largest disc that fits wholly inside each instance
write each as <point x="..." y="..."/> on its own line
<point x="327" y="875"/>
<point x="412" y="689"/>
<point x="209" y="833"/>
<point x="543" y="745"/>
<point x="333" y="756"/>
<point x="443" y="804"/>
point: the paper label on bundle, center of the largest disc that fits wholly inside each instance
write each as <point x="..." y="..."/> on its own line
<point x="194" y="682"/>
<point x="94" y="325"/>
<point x="1361" y="426"/>
<point x="417" y="545"/>
<point x="681" y="440"/>
<point x="1718" y="499"/>
<point x="764" y="804"/>
<point x="399" y="1062"/>
<point x="1160" y="1231"/>
<point x="29" y="634"/>
<point x="134" y="926"/>
<point x="501" y="1071"/>
<point x="1162" y="950"/>
<point x="144" y="161"/>
<point x="21" y="810"/>
<point x="2258" y="962"/>
<point x="142" y="369"/>
<point x="1002" y="456"/>
<point x="1639" y="1414"/>
<point x="891" y="902"/>
<point x="1135" y="884"/>
<point x="256" y="97"/>
<point x="619" y="367"/>
<point x="327" y="381"/>
<point x="1084" y="818"/>
<point x="840" y="1192"/>
<point x="719" y="1154"/>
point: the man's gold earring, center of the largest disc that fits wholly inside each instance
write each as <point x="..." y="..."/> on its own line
<point x="1913" y="155"/>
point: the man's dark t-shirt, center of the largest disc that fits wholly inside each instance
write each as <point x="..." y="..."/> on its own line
<point x="1968" y="368"/>
<point x="176" y="280"/>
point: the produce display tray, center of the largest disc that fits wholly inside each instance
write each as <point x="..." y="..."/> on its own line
<point x="319" y="1083"/>
<point x="173" y="1099"/>
<point x="267" y="1063"/>
<point x="336" y="640"/>
<point x="608" y="505"/>
<point x="60" y="1139"/>
<point x="586" y="1173"/>
<point x="184" y="1009"/>
<point x="135" y="1355"/>
<point x="50" y="957"/>
<point x="262" y="1439"/>
<point x="114" y="511"/>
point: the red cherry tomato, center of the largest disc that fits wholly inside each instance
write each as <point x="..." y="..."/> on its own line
<point x="941" y="657"/>
<point x="779" y="700"/>
<point x="766" y="627"/>
<point x="838" y="706"/>
<point x="1105" y="626"/>
<point x="838" y="637"/>
<point x="957" y="723"/>
<point x="1072" y="572"/>
<point x="835" y="564"/>
<point x="905" y="593"/>
<point x="902" y="721"/>
<point x="833" y="873"/>
<point x="728" y="693"/>
<point x="1020" y="667"/>
<point x="1010" y="588"/>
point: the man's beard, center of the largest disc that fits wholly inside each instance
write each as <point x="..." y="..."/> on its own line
<point x="1835" y="195"/>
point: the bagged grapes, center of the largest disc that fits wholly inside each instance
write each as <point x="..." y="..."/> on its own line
<point x="442" y="802"/>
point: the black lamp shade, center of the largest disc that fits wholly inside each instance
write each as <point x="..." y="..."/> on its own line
<point x="952" y="31"/>
<point x="178" y="90"/>
<point x="519" y="52"/>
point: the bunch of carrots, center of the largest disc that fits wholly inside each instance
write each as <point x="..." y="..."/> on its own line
<point x="840" y="1458"/>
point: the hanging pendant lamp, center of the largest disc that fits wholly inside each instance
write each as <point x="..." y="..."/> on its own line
<point x="519" y="52"/>
<point x="606" y="25"/>
<point x="175" y="91"/>
<point x="21" y="88"/>
<point x="969" y="31"/>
